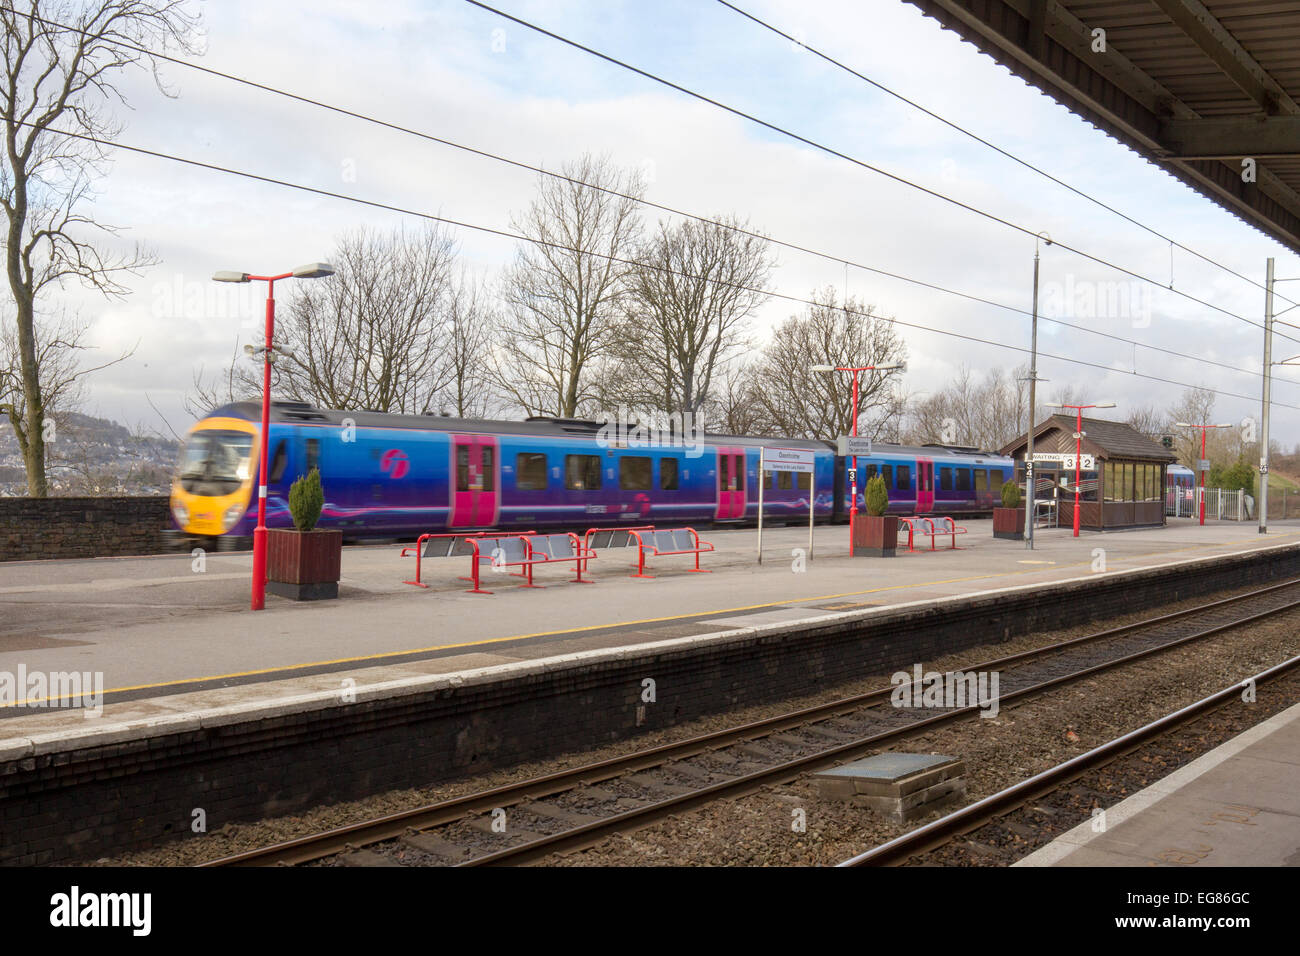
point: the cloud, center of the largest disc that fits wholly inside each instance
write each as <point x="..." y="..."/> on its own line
<point x="441" y="67"/>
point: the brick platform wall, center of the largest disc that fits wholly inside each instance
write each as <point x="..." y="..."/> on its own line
<point x="59" y="804"/>
<point x="33" y="528"/>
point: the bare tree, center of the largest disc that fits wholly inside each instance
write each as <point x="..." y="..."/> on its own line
<point x="61" y="60"/>
<point x="565" y="290"/>
<point x="733" y="406"/>
<point x="985" y="414"/>
<point x="1196" y="407"/>
<point x="804" y="404"/>
<point x="470" y="327"/>
<point x="374" y="335"/>
<point x="691" y="297"/>
<point x="59" y="344"/>
<point x="228" y="385"/>
<point x="1151" y="422"/>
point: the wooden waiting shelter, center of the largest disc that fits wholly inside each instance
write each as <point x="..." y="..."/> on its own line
<point x="1123" y="488"/>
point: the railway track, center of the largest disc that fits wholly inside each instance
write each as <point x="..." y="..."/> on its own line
<point x="561" y="812"/>
<point x="970" y="820"/>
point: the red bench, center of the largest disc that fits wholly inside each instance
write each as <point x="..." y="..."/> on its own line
<point x="526" y="551"/>
<point x="932" y="527"/>
<point x="659" y="544"/>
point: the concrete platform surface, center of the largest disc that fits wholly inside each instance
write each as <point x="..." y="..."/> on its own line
<point x="173" y="633"/>
<point x="1238" y="805"/>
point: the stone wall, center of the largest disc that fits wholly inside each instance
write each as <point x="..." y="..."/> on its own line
<point x="33" y="528"/>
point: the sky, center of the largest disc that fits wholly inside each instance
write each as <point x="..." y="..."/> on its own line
<point x="458" y="72"/>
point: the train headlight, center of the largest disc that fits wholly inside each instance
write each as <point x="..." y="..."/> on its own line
<point x="232" y="516"/>
<point x="180" y="513"/>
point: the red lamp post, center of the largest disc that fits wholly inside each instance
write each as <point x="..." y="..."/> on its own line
<point x="1078" y="448"/>
<point x="1204" y="429"/>
<point x="267" y="352"/>
<point x="853" y="502"/>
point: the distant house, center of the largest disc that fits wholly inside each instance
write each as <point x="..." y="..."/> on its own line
<point x="1124" y="488"/>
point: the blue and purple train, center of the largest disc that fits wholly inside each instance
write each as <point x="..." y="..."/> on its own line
<point x="404" y="475"/>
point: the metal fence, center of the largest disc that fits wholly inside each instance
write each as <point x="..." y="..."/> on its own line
<point x="1220" y="504"/>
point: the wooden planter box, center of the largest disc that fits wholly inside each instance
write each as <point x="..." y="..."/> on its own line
<point x="875" y="537"/>
<point x="303" y="565"/>
<point x="1009" y="523"/>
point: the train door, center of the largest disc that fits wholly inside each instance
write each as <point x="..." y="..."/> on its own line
<point x="924" y="485"/>
<point x="475" y="481"/>
<point x="731" y="484"/>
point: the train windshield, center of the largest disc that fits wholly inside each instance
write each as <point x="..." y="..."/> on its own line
<point x="215" y="462"/>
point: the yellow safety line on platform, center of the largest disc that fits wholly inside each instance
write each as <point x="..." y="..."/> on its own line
<point x="601" y="627"/>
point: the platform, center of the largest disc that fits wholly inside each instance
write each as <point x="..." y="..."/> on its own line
<point x="1238" y="805"/>
<point x="155" y="627"/>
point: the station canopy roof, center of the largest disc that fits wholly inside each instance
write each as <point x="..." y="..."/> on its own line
<point x="1104" y="439"/>
<point x="1196" y="86"/>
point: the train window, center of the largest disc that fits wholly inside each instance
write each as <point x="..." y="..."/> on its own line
<point x="668" y="474"/>
<point x="767" y="481"/>
<point x="871" y="472"/>
<point x="963" y="479"/>
<point x="313" y="455"/>
<point x="903" y="475"/>
<point x="803" y="481"/>
<point x="487" y="477"/>
<point x="462" y="468"/>
<point x="635" y="473"/>
<point x="278" y="462"/>
<point x="783" y="481"/>
<point x="738" y="473"/>
<point x="945" y="479"/>
<point x="530" y="472"/>
<point x="887" y="472"/>
<point x="582" y="472"/>
<point x="981" y="480"/>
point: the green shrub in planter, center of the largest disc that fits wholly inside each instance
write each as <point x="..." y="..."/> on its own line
<point x="877" y="497"/>
<point x="1011" y="495"/>
<point x="306" y="499"/>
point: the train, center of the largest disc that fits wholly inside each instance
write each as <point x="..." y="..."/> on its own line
<point x="399" y="476"/>
<point x="1180" y="490"/>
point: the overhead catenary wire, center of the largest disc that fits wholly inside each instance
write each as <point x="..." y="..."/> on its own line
<point x="344" y="111"/>
<point x="519" y="237"/>
<point x="831" y="151"/>
<point x="1173" y="243"/>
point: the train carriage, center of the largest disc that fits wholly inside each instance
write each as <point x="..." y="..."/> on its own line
<point x="402" y="475"/>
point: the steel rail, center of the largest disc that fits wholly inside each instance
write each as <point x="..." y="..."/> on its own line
<point x="946" y="829"/>
<point x="316" y="846"/>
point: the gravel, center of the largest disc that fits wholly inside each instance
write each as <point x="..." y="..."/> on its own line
<point x="756" y="830"/>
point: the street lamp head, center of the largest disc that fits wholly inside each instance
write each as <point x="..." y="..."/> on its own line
<point x="227" y="276"/>
<point x="1053" y="404"/>
<point x="902" y="366"/>
<point x="1228" y="425"/>
<point x="313" y="270"/>
<point x="821" y="368"/>
<point x="1104" y="405"/>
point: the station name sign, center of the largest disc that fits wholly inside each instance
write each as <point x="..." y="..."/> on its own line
<point x="787" y="459"/>
<point x="853" y="445"/>
<point x="1086" y="462"/>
